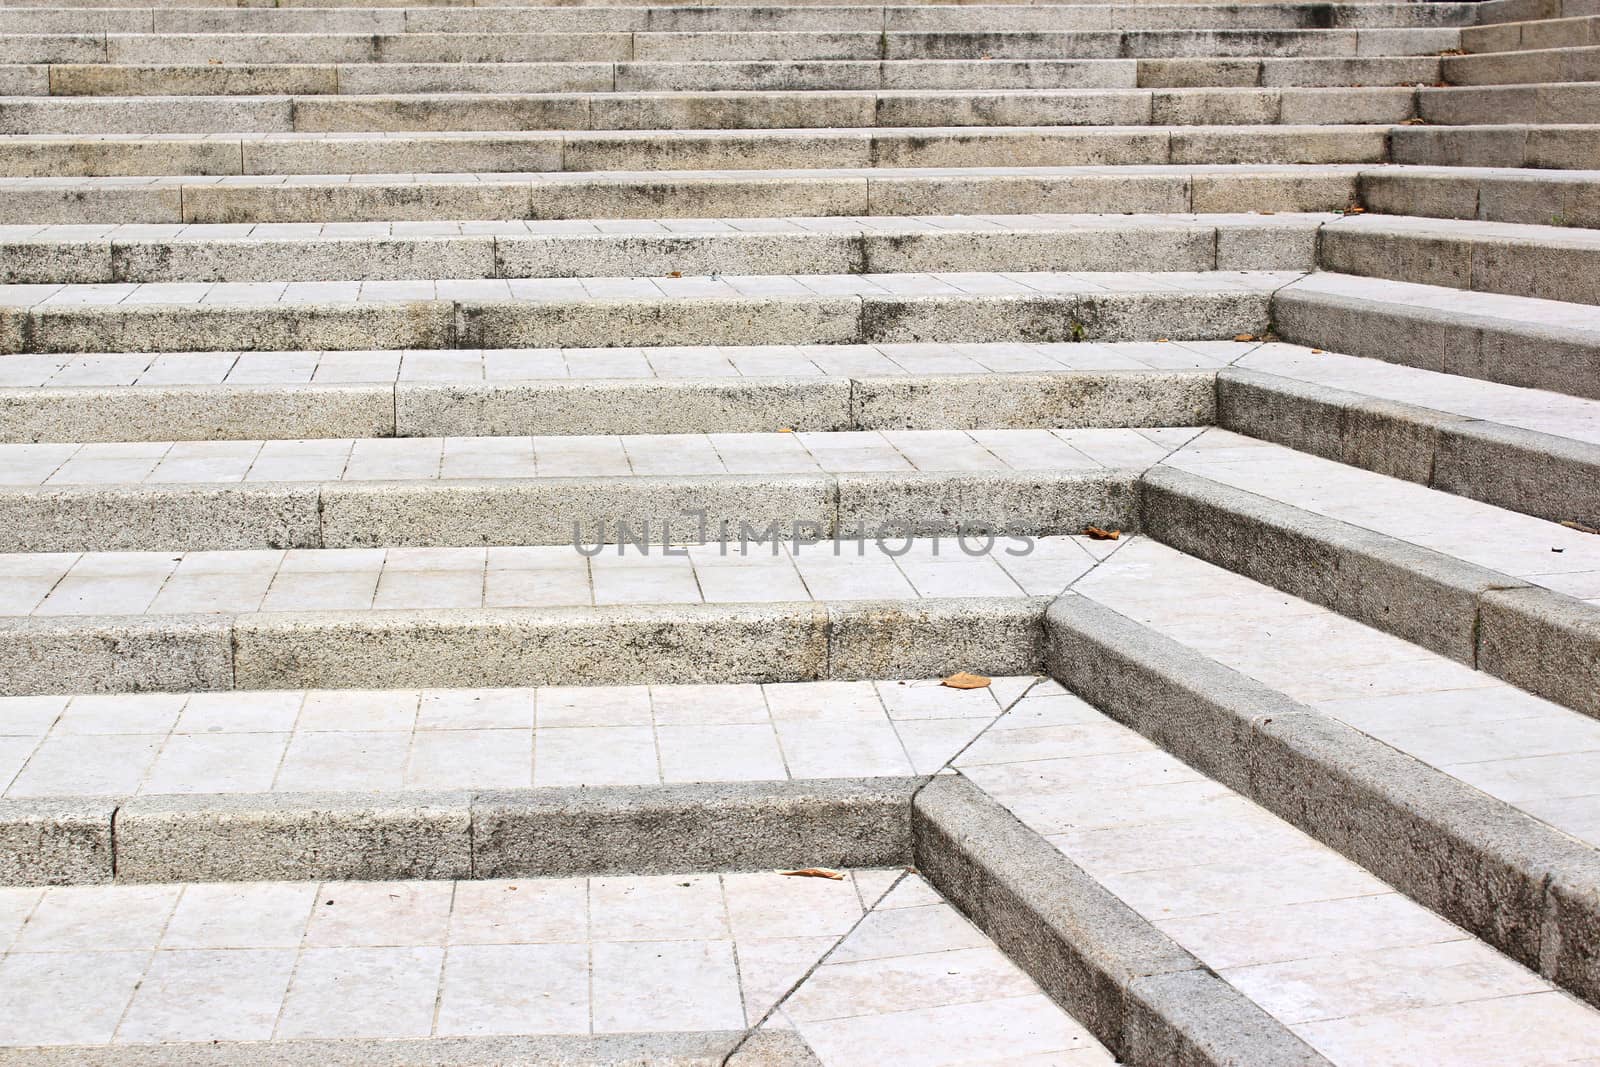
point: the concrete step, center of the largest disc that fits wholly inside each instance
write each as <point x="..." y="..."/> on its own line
<point x="1524" y="449"/>
<point x="1259" y="905"/>
<point x="642" y="19"/>
<point x="1536" y="34"/>
<point x="1473" y="796"/>
<point x="492" y="47"/>
<point x="663" y="248"/>
<point x="1534" y="197"/>
<point x="466" y="491"/>
<point x="1511" y="594"/>
<point x="101" y="79"/>
<point x="1573" y="102"/>
<point x="1539" y="344"/>
<point x="515" y="152"/>
<point x="767" y="609"/>
<point x="601" y="312"/>
<point x="1505" y="68"/>
<point x="1552" y="198"/>
<point x="780" y="110"/>
<point x="1548" y="262"/>
<point x="1570" y="146"/>
<point x="677" y="968"/>
<point x="868" y="191"/>
<point x="826" y="766"/>
<point x="218" y="396"/>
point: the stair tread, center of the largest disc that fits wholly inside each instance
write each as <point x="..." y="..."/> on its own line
<point x="414" y="459"/>
<point x="687" y="962"/>
<point x="814" y="286"/>
<point x="1533" y="550"/>
<point x="230" y="583"/>
<point x="1539" y="410"/>
<point x="1501" y="309"/>
<point x="471" y="366"/>
<point x="390" y="740"/>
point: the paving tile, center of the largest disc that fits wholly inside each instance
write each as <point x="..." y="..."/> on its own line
<point x="362" y="992"/>
<point x="665" y="985"/>
<point x="209" y="995"/>
<point x="515" y="989"/>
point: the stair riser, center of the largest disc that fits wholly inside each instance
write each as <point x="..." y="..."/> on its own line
<point x="1564" y="360"/>
<point x="1531" y="268"/>
<point x="503" y="647"/>
<point x="781" y="111"/>
<point x="734" y="150"/>
<point x="712" y="19"/>
<point x="909" y="74"/>
<point x="526" y="833"/>
<point x="685" y="196"/>
<point x="1531" y="104"/>
<point x="1549" y="147"/>
<point x="707" y="405"/>
<point x="555" y="511"/>
<point x="1152" y="248"/>
<point x="1508" y="68"/>
<point x="1517" y="36"/>
<point x="1538" y="200"/>
<point x="560" y="324"/>
<point x="718" y="46"/>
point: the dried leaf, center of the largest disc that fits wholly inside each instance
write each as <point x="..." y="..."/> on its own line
<point x="966" y="680"/>
<point x="674" y="273"/>
<point x="1266" y="213"/>
<point x="1095" y="533"/>
<point x="1573" y="524"/>
<point x="1162" y="340"/>
<point x="1355" y="209"/>
<point x="815" y="872"/>
<point x="784" y="429"/>
<point x="1316" y="351"/>
<point x="1244" y="337"/>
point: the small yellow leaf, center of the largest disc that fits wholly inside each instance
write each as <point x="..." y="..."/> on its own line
<point x="815" y="872"/>
<point x="966" y="680"/>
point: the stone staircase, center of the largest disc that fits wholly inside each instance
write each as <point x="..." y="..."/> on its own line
<point x="483" y="489"/>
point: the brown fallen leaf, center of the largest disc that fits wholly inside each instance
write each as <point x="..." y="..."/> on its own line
<point x="1095" y="533"/>
<point x="815" y="872"/>
<point x="784" y="429"/>
<point x="1355" y="209"/>
<point x="1266" y="213"/>
<point x="1573" y="524"/>
<point x="966" y="680"/>
<point x="1244" y="337"/>
<point x="1316" y="351"/>
<point x="1162" y="340"/>
<point x="674" y="273"/>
